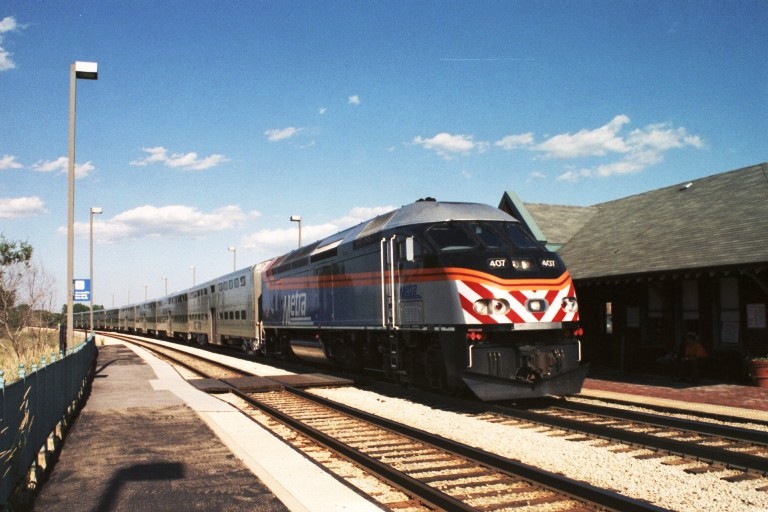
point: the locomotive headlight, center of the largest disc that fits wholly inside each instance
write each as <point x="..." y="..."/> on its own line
<point x="521" y="264"/>
<point x="482" y="307"/>
<point x="499" y="307"/>
<point x="536" y="305"/>
<point x="570" y="305"/>
<point x="491" y="307"/>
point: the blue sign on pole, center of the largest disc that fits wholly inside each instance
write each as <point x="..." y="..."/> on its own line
<point x="82" y="290"/>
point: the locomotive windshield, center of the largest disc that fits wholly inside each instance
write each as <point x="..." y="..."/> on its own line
<point x="458" y="236"/>
<point x="451" y="237"/>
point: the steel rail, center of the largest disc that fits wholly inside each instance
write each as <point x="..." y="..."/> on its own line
<point x="422" y="491"/>
<point x="577" y="490"/>
<point x="730" y="459"/>
<point x="700" y="427"/>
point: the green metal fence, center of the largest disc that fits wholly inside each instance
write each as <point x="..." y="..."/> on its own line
<point x="36" y="412"/>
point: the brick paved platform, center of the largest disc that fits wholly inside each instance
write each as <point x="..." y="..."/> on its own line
<point x="746" y="402"/>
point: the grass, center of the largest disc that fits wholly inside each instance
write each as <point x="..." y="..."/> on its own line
<point x="33" y="345"/>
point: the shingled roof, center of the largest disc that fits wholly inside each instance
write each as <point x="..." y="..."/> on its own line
<point x="560" y="223"/>
<point x="713" y="222"/>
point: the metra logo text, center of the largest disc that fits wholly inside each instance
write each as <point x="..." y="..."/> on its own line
<point x="294" y="306"/>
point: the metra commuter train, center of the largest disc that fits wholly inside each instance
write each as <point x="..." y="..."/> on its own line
<point x="438" y="294"/>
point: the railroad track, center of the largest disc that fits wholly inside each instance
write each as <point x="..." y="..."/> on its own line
<point x="436" y="472"/>
<point x="715" y="447"/>
<point x="718" y="446"/>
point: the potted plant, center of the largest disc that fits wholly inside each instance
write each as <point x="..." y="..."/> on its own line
<point x="757" y="367"/>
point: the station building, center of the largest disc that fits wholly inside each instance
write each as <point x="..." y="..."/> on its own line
<point x="652" y="267"/>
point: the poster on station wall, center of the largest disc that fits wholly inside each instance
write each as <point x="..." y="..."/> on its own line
<point x="730" y="333"/>
<point x="756" y="316"/>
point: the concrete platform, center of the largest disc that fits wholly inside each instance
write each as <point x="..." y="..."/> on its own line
<point x="147" y="440"/>
<point x="708" y="397"/>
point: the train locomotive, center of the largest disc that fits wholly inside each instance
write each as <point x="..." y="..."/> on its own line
<point x="437" y="294"/>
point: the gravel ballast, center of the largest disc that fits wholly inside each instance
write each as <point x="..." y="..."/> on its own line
<point x="665" y="486"/>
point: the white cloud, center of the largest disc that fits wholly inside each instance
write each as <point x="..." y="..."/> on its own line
<point x="83" y="170"/>
<point x="15" y="207"/>
<point x="61" y="166"/>
<point x="279" y="241"/>
<point x="586" y="143"/>
<point x="515" y="141"/>
<point x="609" y="151"/>
<point x="186" y="161"/>
<point x="535" y="175"/>
<point x="660" y="137"/>
<point x="446" y="145"/>
<point x="158" y="154"/>
<point x="58" y="165"/>
<point x="9" y="162"/>
<point x="322" y="110"/>
<point x="645" y="147"/>
<point x="7" y="24"/>
<point x="276" y="134"/>
<point x="173" y="220"/>
<point x="191" y="161"/>
<point x="354" y="99"/>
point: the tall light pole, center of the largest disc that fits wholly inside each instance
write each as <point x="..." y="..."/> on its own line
<point x="297" y="218"/>
<point x="166" y="284"/>
<point x="234" y="256"/>
<point x="145" y="292"/>
<point x="85" y="71"/>
<point x="95" y="210"/>
<point x="193" y="274"/>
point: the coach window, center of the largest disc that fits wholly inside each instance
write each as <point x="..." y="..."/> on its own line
<point x="451" y="237"/>
<point x="242" y="315"/>
<point x="242" y="280"/>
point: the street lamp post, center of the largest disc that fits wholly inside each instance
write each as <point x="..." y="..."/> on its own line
<point x="234" y="256"/>
<point x="193" y="274"/>
<point x="297" y="218"/>
<point x="86" y="71"/>
<point x="166" y="284"/>
<point x="96" y="210"/>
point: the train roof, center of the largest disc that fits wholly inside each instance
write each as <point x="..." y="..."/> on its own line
<point x="427" y="212"/>
<point x="420" y="212"/>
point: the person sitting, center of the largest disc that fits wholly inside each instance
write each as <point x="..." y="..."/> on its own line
<point x="693" y="353"/>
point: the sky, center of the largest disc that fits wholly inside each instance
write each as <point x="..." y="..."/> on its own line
<point x="213" y="122"/>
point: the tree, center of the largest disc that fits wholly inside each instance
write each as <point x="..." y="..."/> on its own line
<point x="13" y="252"/>
<point x="26" y="290"/>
